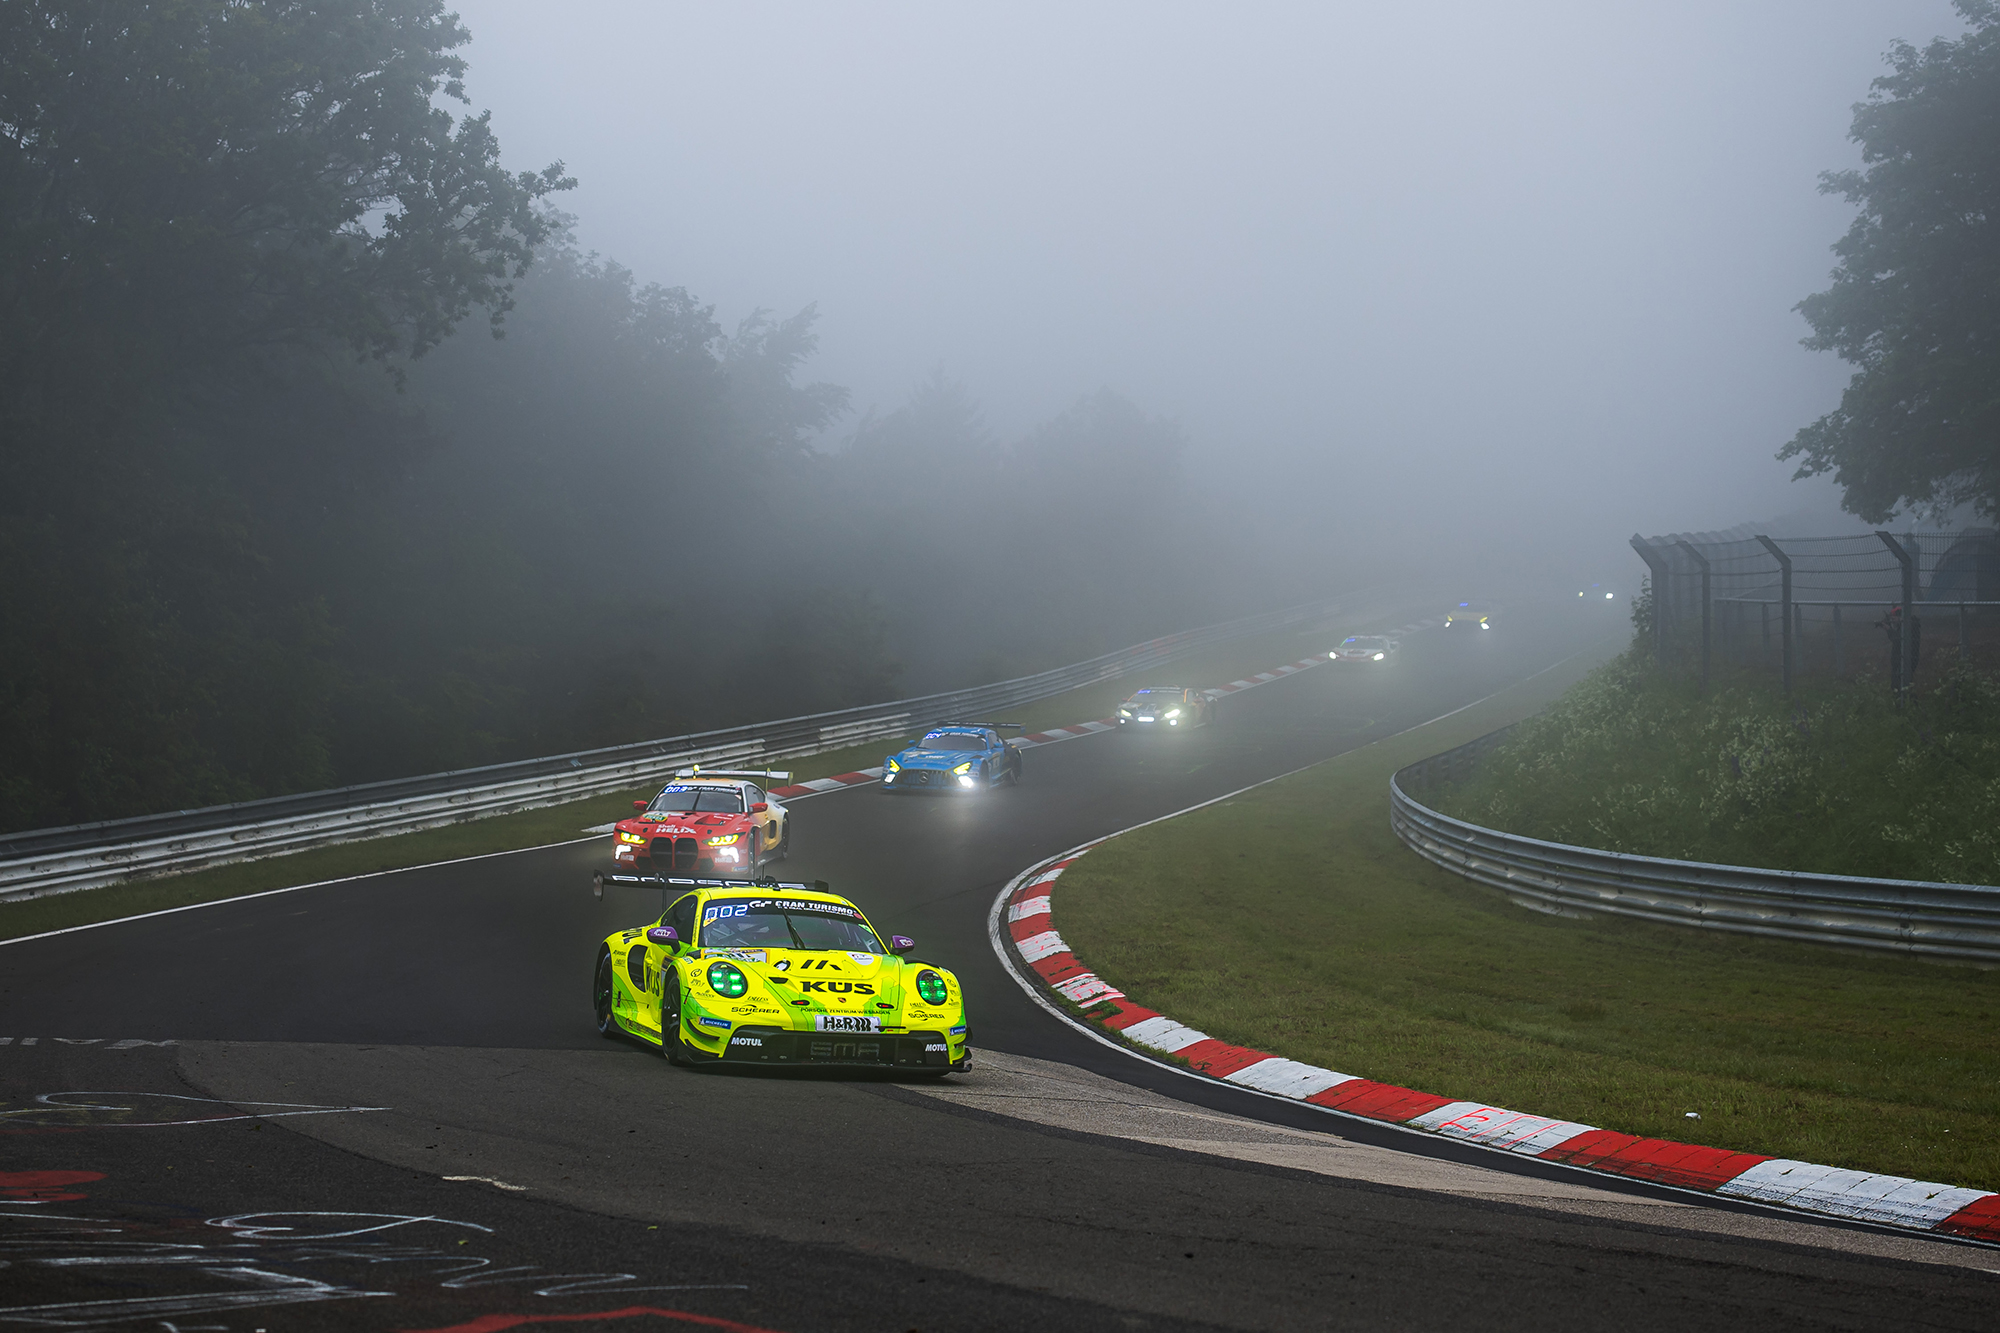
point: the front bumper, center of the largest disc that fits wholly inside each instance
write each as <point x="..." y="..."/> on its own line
<point x="930" y="779"/>
<point x="884" y="1050"/>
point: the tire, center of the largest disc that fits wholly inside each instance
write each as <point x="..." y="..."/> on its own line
<point x="1014" y="772"/>
<point x="671" y="1045"/>
<point x="600" y="996"/>
<point x="783" y="851"/>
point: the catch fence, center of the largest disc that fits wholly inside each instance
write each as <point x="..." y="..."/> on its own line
<point x="1902" y="604"/>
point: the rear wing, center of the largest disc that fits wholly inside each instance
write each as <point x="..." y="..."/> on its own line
<point x="678" y="881"/>
<point x="768" y="774"/>
<point x="991" y="726"/>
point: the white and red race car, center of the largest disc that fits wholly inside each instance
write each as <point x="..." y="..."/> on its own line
<point x="710" y="823"/>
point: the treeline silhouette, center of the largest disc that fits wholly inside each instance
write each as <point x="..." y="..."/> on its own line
<point x="267" y="525"/>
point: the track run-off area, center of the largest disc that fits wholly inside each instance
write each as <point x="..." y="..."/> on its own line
<point x="381" y="1103"/>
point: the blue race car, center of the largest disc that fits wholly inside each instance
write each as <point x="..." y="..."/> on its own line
<point x="955" y="756"/>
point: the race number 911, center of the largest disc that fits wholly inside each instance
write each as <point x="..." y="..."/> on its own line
<point x="845" y="1023"/>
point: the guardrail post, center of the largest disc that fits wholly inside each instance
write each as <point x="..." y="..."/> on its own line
<point x="1903" y="663"/>
<point x="1785" y="602"/>
<point x="1658" y="565"/>
<point x="1701" y="562"/>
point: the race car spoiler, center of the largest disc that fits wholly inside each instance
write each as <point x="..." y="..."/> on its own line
<point x="769" y="774"/>
<point x="663" y="881"/>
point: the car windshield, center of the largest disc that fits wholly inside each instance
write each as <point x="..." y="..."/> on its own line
<point x="767" y="923"/>
<point x="1374" y="644"/>
<point x="953" y="741"/>
<point x="700" y="800"/>
<point x="1156" y="697"/>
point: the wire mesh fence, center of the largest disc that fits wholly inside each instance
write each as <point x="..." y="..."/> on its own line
<point x="1901" y="606"/>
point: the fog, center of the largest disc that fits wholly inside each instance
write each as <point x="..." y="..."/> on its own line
<point x="1480" y="282"/>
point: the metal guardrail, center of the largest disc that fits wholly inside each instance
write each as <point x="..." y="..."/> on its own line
<point x="1897" y="915"/>
<point x="82" y="856"/>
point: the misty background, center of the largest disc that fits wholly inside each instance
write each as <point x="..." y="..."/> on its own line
<point x="1400" y="271"/>
<point x="855" y="351"/>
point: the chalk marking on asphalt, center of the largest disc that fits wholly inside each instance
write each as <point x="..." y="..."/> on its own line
<point x="498" y="1184"/>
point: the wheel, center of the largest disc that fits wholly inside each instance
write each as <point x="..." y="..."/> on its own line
<point x="1014" y="772"/>
<point x="783" y="850"/>
<point x="600" y="995"/>
<point x="671" y="1045"/>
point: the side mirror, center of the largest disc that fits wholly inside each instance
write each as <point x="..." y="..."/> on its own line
<point x="638" y="805"/>
<point x="901" y="944"/>
<point x="664" y="936"/>
<point x="760" y="807"/>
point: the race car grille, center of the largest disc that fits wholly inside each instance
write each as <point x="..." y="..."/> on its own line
<point x="673" y="853"/>
<point x="914" y="1050"/>
<point x="916" y="777"/>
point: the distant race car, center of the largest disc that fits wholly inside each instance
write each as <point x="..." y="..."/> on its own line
<point x="1597" y="592"/>
<point x="1469" y="614"/>
<point x="744" y="972"/>
<point x="1163" y="706"/>
<point x="717" y="822"/>
<point x="955" y="756"/>
<point x="1366" y="648"/>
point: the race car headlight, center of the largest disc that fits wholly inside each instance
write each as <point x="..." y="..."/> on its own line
<point x="931" y="988"/>
<point x="895" y="767"/>
<point x="632" y="837"/>
<point x="1380" y="656"/>
<point x="963" y="768"/>
<point x="1173" y="712"/>
<point x="724" y="839"/>
<point x="727" y="980"/>
<point x="1124" y="712"/>
<point x="965" y="779"/>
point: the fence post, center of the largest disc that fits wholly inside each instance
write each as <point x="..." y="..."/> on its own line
<point x="1903" y="672"/>
<point x="1658" y="565"/>
<point x="1836" y="640"/>
<point x="1701" y="561"/>
<point x="1785" y="602"/>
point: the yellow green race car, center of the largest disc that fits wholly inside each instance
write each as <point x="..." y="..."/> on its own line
<point x="758" y="972"/>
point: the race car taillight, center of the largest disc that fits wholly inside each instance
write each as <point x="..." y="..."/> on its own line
<point x="727" y="980"/>
<point x="931" y="987"/>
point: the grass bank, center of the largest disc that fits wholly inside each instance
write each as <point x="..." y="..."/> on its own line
<point x="1291" y="919"/>
<point x="536" y="828"/>
<point x="1835" y="779"/>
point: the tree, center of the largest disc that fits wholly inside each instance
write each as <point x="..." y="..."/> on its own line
<point x="1915" y="300"/>
<point x="180" y="178"/>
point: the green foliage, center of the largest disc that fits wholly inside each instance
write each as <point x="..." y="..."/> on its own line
<point x="1837" y="780"/>
<point x="1915" y="301"/>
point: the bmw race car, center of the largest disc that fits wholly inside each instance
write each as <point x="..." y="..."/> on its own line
<point x="758" y="972"/>
<point x="955" y="756"/>
<point x="1162" y="706"/>
<point x="1469" y="615"/>
<point x="702" y="823"/>
<point x="1366" y="648"/>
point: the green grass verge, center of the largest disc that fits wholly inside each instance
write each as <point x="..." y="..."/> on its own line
<point x="1292" y="920"/>
<point x="1836" y="779"/>
<point x="535" y="828"/>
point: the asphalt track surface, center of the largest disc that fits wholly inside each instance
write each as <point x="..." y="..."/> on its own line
<point x="339" y="1053"/>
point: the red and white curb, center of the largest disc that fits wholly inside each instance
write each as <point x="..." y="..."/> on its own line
<point x="1022" y="917"/>
<point x="864" y="776"/>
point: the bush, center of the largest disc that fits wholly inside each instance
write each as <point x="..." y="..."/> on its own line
<point x="1836" y="779"/>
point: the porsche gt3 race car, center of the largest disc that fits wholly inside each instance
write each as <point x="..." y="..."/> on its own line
<point x="718" y="822"/>
<point x="1366" y="648"/>
<point x="1160" y="707"/>
<point x="758" y="972"/>
<point x="955" y="756"/>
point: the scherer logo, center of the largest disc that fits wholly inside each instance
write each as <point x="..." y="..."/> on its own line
<point x="838" y="987"/>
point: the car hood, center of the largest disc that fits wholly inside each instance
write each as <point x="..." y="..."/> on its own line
<point x="830" y="982"/>
<point x="935" y="758"/>
<point x="683" y="825"/>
